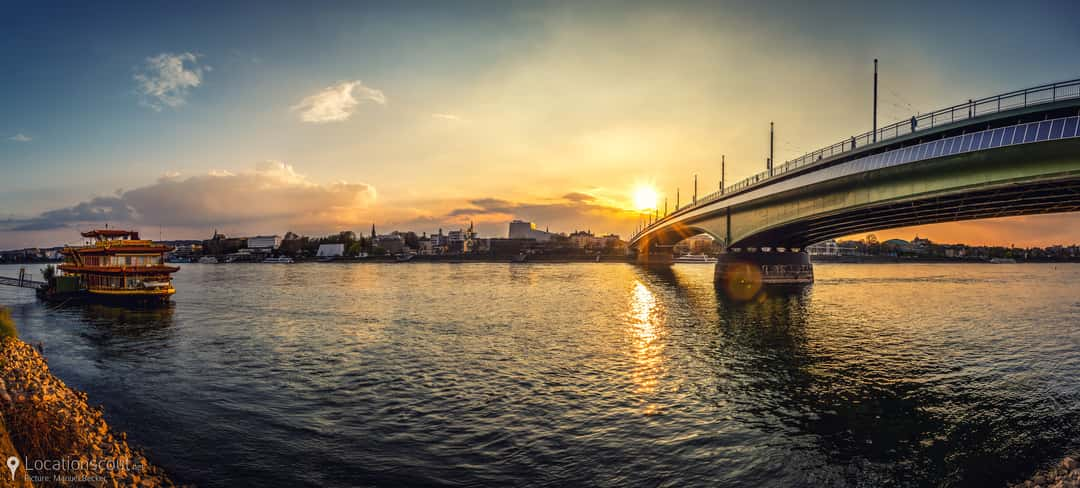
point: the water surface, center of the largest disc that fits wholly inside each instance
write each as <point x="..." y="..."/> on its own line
<point x="603" y="374"/>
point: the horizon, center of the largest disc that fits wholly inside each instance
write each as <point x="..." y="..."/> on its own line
<point x="286" y="117"/>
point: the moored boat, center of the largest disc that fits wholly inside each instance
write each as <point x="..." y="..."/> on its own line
<point x="694" y="259"/>
<point x="115" y="266"/>
<point x="280" y="260"/>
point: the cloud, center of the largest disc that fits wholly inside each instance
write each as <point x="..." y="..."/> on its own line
<point x="336" y="103"/>
<point x="579" y="197"/>
<point x="450" y="117"/>
<point x="166" y="79"/>
<point x="573" y="209"/>
<point x="273" y="192"/>
<point x="20" y="137"/>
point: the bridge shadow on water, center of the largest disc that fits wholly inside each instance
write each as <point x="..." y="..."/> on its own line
<point x="832" y="410"/>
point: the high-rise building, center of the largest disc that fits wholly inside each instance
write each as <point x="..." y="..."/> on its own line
<point x="520" y="229"/>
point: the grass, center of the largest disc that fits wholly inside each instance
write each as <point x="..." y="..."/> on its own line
<point x="7" y="326"/>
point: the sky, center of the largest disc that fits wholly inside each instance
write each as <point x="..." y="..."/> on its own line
<point x="315" y="117"/>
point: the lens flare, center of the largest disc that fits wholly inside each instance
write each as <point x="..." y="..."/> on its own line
<point x="645" y="198"/>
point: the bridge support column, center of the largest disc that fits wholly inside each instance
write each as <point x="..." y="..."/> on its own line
<point x="655" y="255"/>
<point x="743" y="273"/>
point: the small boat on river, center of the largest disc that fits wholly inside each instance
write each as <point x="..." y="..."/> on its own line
<point x="694" y="259"/>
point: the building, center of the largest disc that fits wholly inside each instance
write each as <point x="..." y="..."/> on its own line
<point x="461" y="241"/>
<point x="264" y="242"/>
<point x="699" y="244"/>
<point x="520" y="229"/>
<point x="613" y="242"/>
<point x="583" y="239"/>
<point x="510" y="247"/>
<point x="825" y="248"/>
<point x="331" y="250"/>
<point x="426" y="247"/>
<point x="220" y="245"/>
<point x="392" y="243"/>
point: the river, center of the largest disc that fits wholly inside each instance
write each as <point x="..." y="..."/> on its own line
<point x="573" y="374"/>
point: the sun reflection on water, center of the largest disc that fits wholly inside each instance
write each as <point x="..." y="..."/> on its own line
<point x="645" y="312"/>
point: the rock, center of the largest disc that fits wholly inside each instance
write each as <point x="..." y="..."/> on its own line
<point x="1069" y="463"/>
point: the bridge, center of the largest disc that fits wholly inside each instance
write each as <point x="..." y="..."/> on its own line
<point x="1017" y="153"/>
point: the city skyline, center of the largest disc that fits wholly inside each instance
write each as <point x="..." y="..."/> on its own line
<point x="280" y="117"/>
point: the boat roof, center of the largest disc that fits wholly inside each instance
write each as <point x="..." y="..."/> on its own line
<point x="99" y="233"/>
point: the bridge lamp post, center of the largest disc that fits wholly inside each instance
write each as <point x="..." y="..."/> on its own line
<point x="695" y="189"/>
<point x="722" y="169"/>
<point x="769" y="166"/>
<point x="875" y="99"/>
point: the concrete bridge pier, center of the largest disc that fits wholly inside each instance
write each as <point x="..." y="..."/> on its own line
<point x="656" y="255"/>
<point x="746" y="270"/>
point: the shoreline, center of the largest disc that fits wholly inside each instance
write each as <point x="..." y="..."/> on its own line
<point x="58" y="438"/>
<point x="1063" y="474"/>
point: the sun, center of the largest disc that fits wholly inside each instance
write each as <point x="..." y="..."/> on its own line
<point x="645" y="197"/>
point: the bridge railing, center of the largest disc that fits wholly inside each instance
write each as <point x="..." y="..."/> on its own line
<point x="1038" y="95"/>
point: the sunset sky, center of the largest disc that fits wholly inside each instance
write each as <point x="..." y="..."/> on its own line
<point x="256" y="118"/>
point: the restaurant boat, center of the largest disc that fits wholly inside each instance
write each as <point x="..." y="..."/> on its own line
<point x="114" y="266"/>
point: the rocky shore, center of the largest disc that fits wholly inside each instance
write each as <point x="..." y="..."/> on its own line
<point x="1065" y="474"/>
<point x="58" y="439"/>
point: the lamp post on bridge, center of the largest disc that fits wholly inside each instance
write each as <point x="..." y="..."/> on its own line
<point x="875" y="99"/>
<point x="769" y="165"/>
<point x="695" y="189"/>
<point x="676" y="199"/>
<point x="722" y="174"/>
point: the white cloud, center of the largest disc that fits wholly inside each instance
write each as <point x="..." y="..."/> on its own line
<point x="166" y="79"/>
<point x="337" y="102"/>
<point x="20" y="137"/>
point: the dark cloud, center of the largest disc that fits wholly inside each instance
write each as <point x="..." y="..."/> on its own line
<point x="579" y="197"/>
<point x="572" y="211"/>
<point x="273" y="192"/>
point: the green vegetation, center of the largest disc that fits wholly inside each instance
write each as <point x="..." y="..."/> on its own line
<point x="7" y="326"/>
<point x="48" y="272"/>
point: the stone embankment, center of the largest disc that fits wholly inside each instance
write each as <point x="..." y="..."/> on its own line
<point x="1065" y="474"/>
<point x="58" y="439"/>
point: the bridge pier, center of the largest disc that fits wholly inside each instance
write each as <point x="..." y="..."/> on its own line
<point x="656" y="256"/>
<point x="744" y="272"/>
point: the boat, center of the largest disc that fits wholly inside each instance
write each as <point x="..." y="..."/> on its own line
<point x="1003" y="261"/>
<point x="208" y="260"/>
<point x="279" y="260"/>
<point x="694" y="259"/>
<point x="115" y="266"/>
<point x="404" y="258"/>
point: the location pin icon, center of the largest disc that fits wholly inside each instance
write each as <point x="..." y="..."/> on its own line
<point x="13" y="464"/>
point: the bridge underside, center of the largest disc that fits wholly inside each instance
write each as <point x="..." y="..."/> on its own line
<point x="1006" y="201"/>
